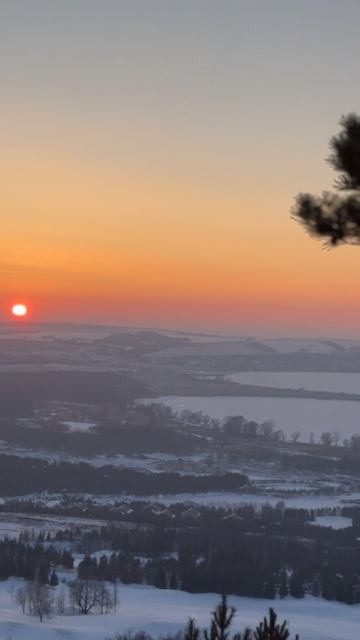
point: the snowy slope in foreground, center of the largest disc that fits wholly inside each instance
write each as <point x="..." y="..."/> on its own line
<point x="159" y="612"/>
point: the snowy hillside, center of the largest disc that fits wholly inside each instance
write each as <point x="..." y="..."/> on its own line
<point x="161" y="611"/>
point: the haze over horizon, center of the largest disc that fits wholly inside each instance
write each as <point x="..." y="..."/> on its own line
<point x="29" y="326"/>
<point x="151" y="154"/>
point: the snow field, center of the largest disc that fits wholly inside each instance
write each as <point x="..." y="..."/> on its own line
<point x="162" y="611"/>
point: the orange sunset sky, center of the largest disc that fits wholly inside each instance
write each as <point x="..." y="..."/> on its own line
<point x="150" y="153"/>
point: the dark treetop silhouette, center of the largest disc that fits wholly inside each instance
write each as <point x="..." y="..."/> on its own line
<point x="336" y="216"/>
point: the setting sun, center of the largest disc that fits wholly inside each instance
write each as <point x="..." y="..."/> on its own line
<point x="19" y="310"/>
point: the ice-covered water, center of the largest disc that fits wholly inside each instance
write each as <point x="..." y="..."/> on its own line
<point x="289" y="414"/>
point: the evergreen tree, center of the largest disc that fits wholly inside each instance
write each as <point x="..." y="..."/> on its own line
<point x="54" y="580"/>
<point x="349" y="595"/>
<point x="160" y="578"/>
<point x="87" y="568"/>
<point x="328" y="581"/>
<point x="334" y="216"/>
<point x="339" y="588"/>
<point x="315" y="591"/>
<point x="192" y="631"/>
<point x="283" y="587"/>
<point x="269" y="629"/>
<point x="173" y="580"/>
<point x="269" y="589"/>
<point x="221" y="621"/>
<point x="67" y="561"/>
<point x="296" y="586"/>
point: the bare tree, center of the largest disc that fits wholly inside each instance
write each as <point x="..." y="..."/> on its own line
<point x="60" y="602"/>
<point x="266" y="428"/>
<point x="21" y="597"/>
<point x="105" y="601"/>
<point x="40" y="600"/>
<point x="278" y="436"/>
<point x="326" y="439"/>
<point x="115" y="594"/>
<point x="85" y="594"/>
<point x="355" y="441"/>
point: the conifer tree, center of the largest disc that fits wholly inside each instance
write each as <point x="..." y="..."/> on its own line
<point x="269" y="590"/>
<point x="269" y="629"/>
<point x="160" y="578"/>
<point x="192" y="631"/>
<point x="283" y="588"/>
<point x="221" y="621"/>
<point x="296" y="586"/>
<point x="335" y="217"/>
<point x="173" y="581"/>
<point x="54" y="580"/>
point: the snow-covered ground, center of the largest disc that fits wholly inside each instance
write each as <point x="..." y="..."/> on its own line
<point x="312" y="494"/>
<point x="335" y="522"/>
<point x="232" y="499"/>
<point x="161" y="611"/>
<point x="12" y="524"/>
<point x="74" y="425"/>
<point x="154" y="462"/>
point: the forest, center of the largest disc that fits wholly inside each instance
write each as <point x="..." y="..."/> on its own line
<point x="36" y="475"/>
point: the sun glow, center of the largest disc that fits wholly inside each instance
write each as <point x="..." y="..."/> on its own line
<point x="19" y="310"/>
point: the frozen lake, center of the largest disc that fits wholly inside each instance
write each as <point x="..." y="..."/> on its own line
<point x="289" y="414"/>
<point x="309" y="380"/>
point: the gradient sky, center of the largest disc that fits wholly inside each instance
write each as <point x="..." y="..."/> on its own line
<point x="150" y="153"/>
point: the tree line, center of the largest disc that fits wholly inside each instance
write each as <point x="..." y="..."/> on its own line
<point x="25" y="560"/>
<point x="36" y="475"/>
<point x="264" y="557"/>
<point x="37" y="599"/>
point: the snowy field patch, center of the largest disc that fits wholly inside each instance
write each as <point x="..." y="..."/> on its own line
<point x="13" y="524"/>
<point x="73" y="425"/>
<point x="161" y="611"/>
<point x="335" y="522"/>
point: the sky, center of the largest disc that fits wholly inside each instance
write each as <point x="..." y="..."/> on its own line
<point x="150" y="155"/>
